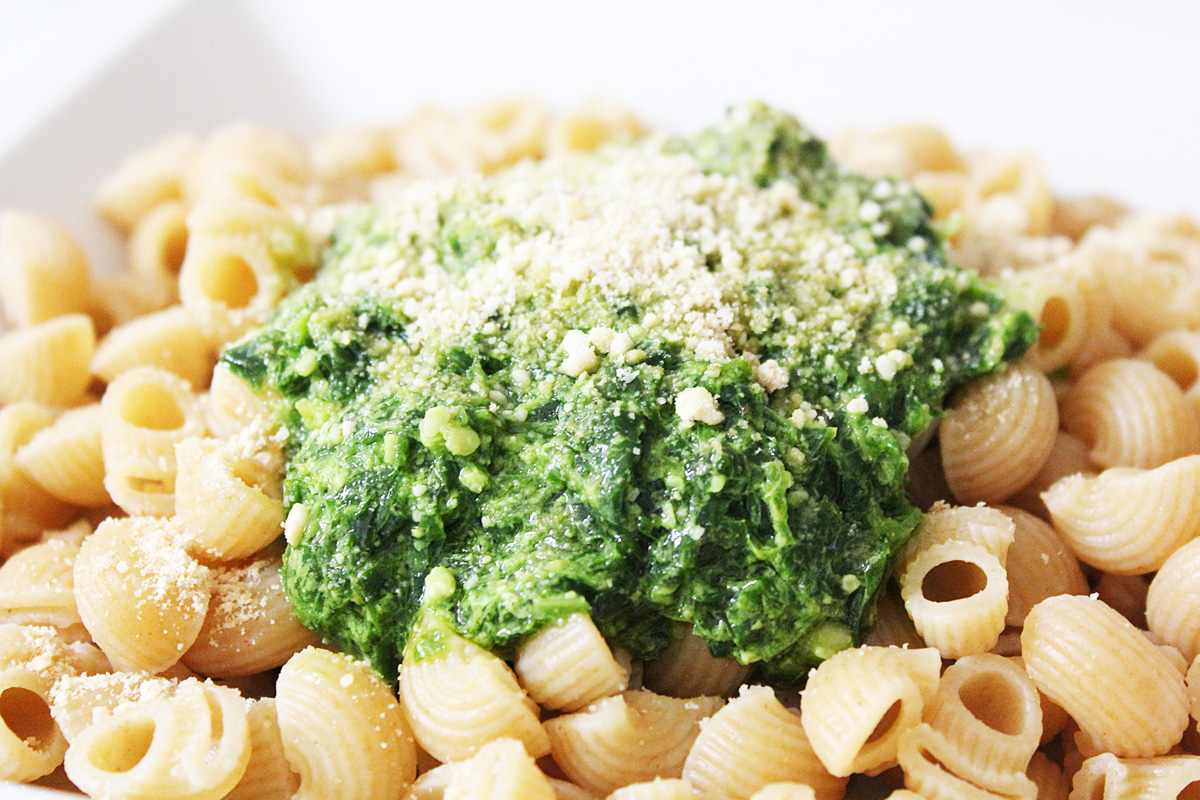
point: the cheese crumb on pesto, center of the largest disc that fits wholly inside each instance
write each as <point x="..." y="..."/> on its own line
<point x="669" y="382"/>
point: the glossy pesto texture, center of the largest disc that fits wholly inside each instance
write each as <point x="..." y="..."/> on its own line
<point x="490" y="376"/>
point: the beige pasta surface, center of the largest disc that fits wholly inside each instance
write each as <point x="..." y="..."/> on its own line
<point x="687" y="668"/>
<point x="568" y="665"/>
<point x="632" y="737"/>
<point x="47" y="363"/>
<point x="1039" y="564"/>
<point x="43" y="270"/>
<point x="1173" y="600"/>
<point x="342" y="729"/>
<point x="752" y="742"/>
<point x="1128" y="521"/>
<point x="66" y="458"/>
<point x="998" y="434"/>
<point x="1120" y="688"/>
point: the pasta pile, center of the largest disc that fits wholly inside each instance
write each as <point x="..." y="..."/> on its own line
<point x="1041" y="638"/>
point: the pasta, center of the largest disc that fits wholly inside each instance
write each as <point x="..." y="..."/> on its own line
<point x="148" y="649"/>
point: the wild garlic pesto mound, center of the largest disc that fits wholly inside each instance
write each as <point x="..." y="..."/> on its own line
<point x="670" y="382"/>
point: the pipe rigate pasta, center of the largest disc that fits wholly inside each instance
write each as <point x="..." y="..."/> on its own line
<point x="140" y="595"/>
<point x="268" y="775"/>
<point x="43" y="270"/>
<point x="862" y="700"/>
<point x="752" y="742"/>
<point x="1128" y="521"/>
<point x="687" y="668"/>
<point x="1121" y="689"/>
<point x="462" y="697"/>
<point x="1132" y="415"/>
<point x="632" y="737"/>
<point x="1038" y="565"/>
<point x="1173" y="600"/>
<point x="998" y="434"/>
<point x="66" y="458"/>
<point x="169" y="339"/>
<point x="1107" y="777"/>
<point x="37" y="586"/>
<point x="569" y="665"/>
<point x="47" y="363"/>
<point x="342" y="729"/>
<point x="193" y="744"/>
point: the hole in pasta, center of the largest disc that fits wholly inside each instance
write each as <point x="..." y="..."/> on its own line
<point x="230" y="280"/>
<point x="123" y="749"/>
<point x="149" y="485"/>
<point x="27" y="716"/>
<point x="1055" y="319"/>
<point x="174" y="248"/>
<point x="249" y="474"/>
<point x="1179" y="366"/>
<point x="1190" y="792"/>
<point x="885" y="723"/>
<point x="953" y="580"/>
<point x="152" y="407"/>
<point x="992" y="700"/>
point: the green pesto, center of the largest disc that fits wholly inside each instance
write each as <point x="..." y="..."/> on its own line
<point x="420" y="440"/>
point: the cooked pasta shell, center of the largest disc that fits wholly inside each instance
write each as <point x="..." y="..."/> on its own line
<point x="342" y="729"/>
<point x="149" y="177"/>
<point x="751" y="743"/>
<point x="1121" y="689"/>
<point x="168" y="339"/>
<point x="1105" y="776"/>
<point x="568" y="665"/>
<point x="1173" y="600"/>
<point x="47" y="362"/>
<point x="936" y="768"/>
<point x="193" y="744"/>
<point x="158" y="245"/>
<point x="140" y="595"/>
<point x="463" y="697"/>
<point x="66" y="458"/>
<point x="687" y="668"/>
<point x="861" y="700"/>
<point x="31" y="743"/>
<point x="268" y="775"/>
<point x="43" y="270"/>
<point x="37" y="587"/>
<point x="1132" y="415"/>
<point x="1128" y="521"/>
<point x="998" y="434"/>
<point x="957" y="596"/>
<point x="1039" y="564"/>
<point x="501" y="770"/>
<point x="659" y="789"/>
<point x="632" y="737"/>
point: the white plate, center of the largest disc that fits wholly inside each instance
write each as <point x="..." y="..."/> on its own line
<point x="1104" y="92"/>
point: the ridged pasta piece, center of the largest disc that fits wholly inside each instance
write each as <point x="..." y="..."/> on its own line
<point x="993" y="712"/>
<point x="752" y="742"/>
<point x="1076" y="216"/>
<point x="159" y="243"/>
<point x="229" y="284"/>
<point x="145" y="179"/>
<point x="659" y="789"/>
<point x="194" y="744"/>
<point x="37" y="587"/>
<point x="589" y="128"/>
<point x="31" y="743"/>
<point x="858" y="702"/>
<point x="47" y="362"/>
<point x="268" y="775"/>
<point x="568" y="665"/>
<point x="1128" y="521"/>
<point x="79" y="700"/>
<point x="1173" y="600"/>
<point x="687" y="668"/>
<point x="986" y="527"/>
<point x="785" y="791"/>
<point x="462" y="697"/>
<point x="26" y="509"/>
<point x="1122" y="690"/>
<point x="66" y="458"/>
<point x="957" y="596"/>
<point x="250" y="626"/>
<point x="147" y="411"/>
<point x="228" y="502"/>
<point x="43" y="270"/>
<point x="936" y="768"/>
<point x="230" y="404"/>
<point x="499" y="134"/>
<point x="168" y="339"/>
<point x="1153" y="287"/>
<point x="1038" y="565"/>
<point x="998" y="434"/>
<point x="630" y="738"/>
<point x="140" y="595"/>
<point x="1132" y="415"/>
<point x="342" y="729"/>
<point x="1068" y="300"/>
<point x="247" y="160"/>
<point x="1069" y="456"/>
<point x="501" y="770"/>
<point x="1106" y="777"/>
<point x="1052" y="783"/>
<point x="346" y="159"/>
